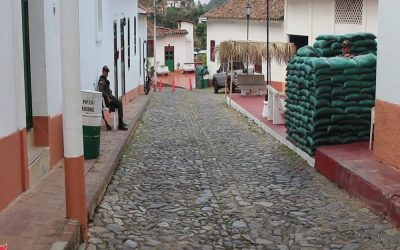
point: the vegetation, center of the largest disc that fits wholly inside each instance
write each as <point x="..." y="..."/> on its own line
<point x="167" y="17"/>
<point x="213" y="4"/>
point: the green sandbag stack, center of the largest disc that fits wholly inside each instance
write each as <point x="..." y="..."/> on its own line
<point x="331" y="45"/>
<point x="329" y="99"/>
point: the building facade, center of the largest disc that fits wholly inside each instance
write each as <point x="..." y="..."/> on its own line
<point x="296" y="21"/>
<point x="229" y="22"/>
<point x="174" y="47"/>
<point x="387" y="105"/>
<point x="306" y="19"/>
<point x="32" y="137"/>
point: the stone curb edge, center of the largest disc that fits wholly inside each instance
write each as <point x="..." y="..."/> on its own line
<point x="71" y="236"/>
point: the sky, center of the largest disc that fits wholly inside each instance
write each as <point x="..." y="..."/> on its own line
<point x="204" y="1"/>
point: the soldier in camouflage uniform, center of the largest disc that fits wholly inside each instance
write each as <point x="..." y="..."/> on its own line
<point x="111" y="101"/>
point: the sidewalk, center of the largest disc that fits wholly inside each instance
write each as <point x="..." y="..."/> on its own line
<point x="182" y="80"/>
<point x="350" y="166"/>
<point x="36" y="219"/>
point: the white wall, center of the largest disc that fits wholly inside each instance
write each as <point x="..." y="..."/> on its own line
<point x="222" y="30"/>
<point x="44" y="28"/>
<point x="12" y="97"/>
<point x="142" y="29"/>
<point x="189" y="41"/>
<point x="38" y="58"/>
<point x="53" y="55"/>
<point x="315" y="17"/>
<point x="95" y="54"/>
<point x="387" y="88"/>
<point x="180" y="51"/>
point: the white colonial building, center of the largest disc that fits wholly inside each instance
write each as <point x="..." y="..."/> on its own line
<point x="35" y="48"/>
<point x="229" y="22"/>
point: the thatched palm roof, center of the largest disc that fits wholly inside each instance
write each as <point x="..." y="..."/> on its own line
<point x="255" y="51"/>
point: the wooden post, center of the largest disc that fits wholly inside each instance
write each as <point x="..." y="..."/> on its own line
<point x="230" y="89"/>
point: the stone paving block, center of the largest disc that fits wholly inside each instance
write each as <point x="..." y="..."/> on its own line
<point x="197" y="174"/>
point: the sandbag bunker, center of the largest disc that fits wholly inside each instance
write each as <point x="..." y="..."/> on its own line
<point x="329" y="99"/>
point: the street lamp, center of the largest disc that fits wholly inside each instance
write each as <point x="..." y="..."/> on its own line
<point x="248" y="10"/>
<point x="268" y="59"/>
<point x="265" y="113"/>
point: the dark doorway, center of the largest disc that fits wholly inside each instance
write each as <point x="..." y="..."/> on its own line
<point x="122" y="24"/>
<point x="258" y="66"/>
<point x="27" y="64"/>
<point x="299" y="41"/>
<point x="169" y="57"/>
<point x="116" y="56"/>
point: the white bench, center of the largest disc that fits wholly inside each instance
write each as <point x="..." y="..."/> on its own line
<point x="253" y="83"/>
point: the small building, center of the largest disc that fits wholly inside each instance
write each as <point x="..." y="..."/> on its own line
<point x="229" y="22"/>
<point x="32" y="136"/>
<point x="174" y="46"/>
<point x="175" y="4"/>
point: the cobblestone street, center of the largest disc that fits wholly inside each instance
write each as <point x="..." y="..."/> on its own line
<point x="197" y="175"/>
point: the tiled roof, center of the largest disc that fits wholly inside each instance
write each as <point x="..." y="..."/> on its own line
<point x="235" y="9"/>
<point x="163" y="32"/>
<point x="149" y="10"/>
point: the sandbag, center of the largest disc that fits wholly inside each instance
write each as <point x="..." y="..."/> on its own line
<point x="344" y="78"/>
<point x="364" y="133"/>
<point x="358" y="84"/>
<point x="339" y="128"/>
<point x="328" y="140"/>
<point x="357" y="110"/>
<point x="338" y="104"/>
<point x="359" y="71"/>
<point x="321" y="78"/>
<point x="308" y="51"/>
<point x="324" y="90"/>
<point x="323" y="103"/>
<point x="323" y="43"/>
<point x="367" y="103"/>
<point x="327" y="71"/>
<point x="368" y="77"/>
<point x="337" y="91"/>
<point x="355" y="37"/>
<point x="352" y="97"/>
<point x="366" y="61"/>
<point x="319" y="63"/>
<point x="350" y="139"/>
<point x="342" y="63"/>
<point x="366" y="116"/>
<point x="326" y="37"/>
<point x="324" y="83"/>
<point x="321" y="134"/>
<point x="324" y="112"/>
<point x="336" y="118"/>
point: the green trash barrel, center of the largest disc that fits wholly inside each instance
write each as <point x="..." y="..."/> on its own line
<point x="91" y="123"/>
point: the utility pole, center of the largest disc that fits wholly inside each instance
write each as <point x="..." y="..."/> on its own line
<point x="268" y="59"/>
<point x="248" y="10"/>
<point x="155" y="44"/>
